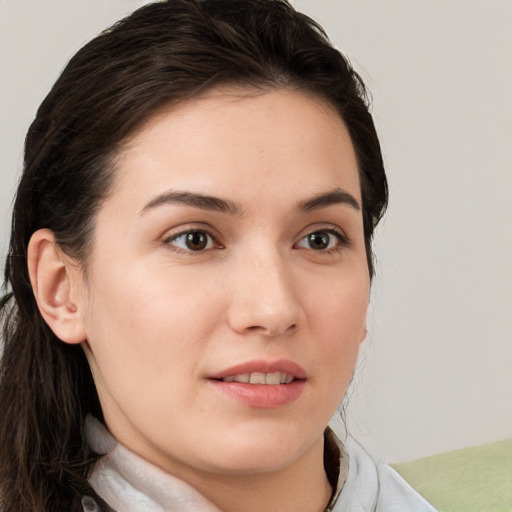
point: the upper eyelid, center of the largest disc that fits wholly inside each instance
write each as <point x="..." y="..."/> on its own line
<point x="332" y="228"/>
<point x="171" y="234"/>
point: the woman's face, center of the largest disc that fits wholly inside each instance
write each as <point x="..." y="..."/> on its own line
<point x="231" y="249"/>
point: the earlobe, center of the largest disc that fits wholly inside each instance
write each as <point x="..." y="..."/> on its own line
<point x="56" y="282"/>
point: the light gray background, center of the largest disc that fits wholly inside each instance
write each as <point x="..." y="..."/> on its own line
<point x="435" y="373"/>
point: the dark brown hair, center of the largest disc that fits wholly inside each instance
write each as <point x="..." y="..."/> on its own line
<point x="165" y="52"/>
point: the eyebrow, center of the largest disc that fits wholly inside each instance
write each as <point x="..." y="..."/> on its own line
<point x="336" y="196"/>
<point x="214" y="204"/>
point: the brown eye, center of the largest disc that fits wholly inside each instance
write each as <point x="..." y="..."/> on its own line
<point x="195" y="240"/>
<point x="321" y="240"/>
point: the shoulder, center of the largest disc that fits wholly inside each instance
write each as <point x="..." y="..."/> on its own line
<point x="372" y="486"/>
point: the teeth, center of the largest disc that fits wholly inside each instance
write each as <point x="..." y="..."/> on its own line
<point x="271" y="379"/>
<point x="257" y="378"/>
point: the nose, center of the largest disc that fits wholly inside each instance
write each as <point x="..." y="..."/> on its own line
<point x="265" y="301"/>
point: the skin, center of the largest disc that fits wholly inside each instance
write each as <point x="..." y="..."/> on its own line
<point x="156" y="319"/>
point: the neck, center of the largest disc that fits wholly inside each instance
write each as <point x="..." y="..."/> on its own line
<point x="300" y="487"/>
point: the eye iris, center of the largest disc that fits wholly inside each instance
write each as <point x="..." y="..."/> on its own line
<point x="196" y="241"/>
<point x="319" y="240"/>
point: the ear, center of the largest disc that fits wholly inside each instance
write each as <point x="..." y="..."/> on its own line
<point x="57" y="284"/>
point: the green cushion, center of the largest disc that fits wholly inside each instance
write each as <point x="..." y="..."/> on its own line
<point x="477" y="479"/>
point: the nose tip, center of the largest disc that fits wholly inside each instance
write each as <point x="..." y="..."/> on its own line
<point x="265" y="303"/>
<point x="255" y="319"/>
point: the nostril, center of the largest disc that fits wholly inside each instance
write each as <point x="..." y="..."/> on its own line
<point x="256" y="329"/>
<point x="267" y="331"/>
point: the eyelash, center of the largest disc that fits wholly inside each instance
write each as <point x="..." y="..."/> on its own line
<point x="343" y="240"/>
<point x="212" y="239"/>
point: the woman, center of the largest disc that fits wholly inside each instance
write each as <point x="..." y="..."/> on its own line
<point x="190" y="265"/>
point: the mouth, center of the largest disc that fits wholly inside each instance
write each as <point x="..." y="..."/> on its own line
<point x="269" y="379"/>
<point x="262" y="384"/>
<point x="272" y="373"/>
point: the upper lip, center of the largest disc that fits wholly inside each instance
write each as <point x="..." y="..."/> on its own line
<point x="262" y="366"/>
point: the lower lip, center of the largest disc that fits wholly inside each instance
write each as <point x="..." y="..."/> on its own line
<point x="261" y="396"/>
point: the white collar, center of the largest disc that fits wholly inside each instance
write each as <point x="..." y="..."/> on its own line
<point x="129" y="483"/>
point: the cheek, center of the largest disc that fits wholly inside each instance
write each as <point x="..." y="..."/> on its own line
<point x="340" y="306"/>
<point x="338" y="320"/>
<point x="149" y="329"/>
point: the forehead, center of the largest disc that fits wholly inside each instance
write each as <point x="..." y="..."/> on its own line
<point x="231" y="141"/>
